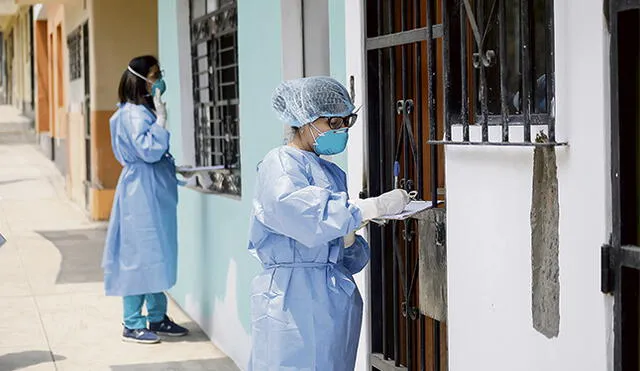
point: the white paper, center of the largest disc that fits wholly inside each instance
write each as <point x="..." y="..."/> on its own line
<point x="413" y="208"/>
<point x="189" y="169"/>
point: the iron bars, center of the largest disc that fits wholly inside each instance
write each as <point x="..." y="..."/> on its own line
<point x="498" y="77"/>
<point x="214" y="60"/>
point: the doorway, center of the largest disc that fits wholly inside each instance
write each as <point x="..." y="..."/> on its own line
<point x="402" y="65"/>
<point x="86" y="75"/>
<point x="621" y="258"/>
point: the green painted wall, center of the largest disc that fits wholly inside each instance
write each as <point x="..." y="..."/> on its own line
<point x="337" y="55"/>
<point x="213" y="230"/>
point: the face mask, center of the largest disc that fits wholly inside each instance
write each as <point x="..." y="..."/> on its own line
<point x="330" y="142"/>
<point x="158" y="84"/>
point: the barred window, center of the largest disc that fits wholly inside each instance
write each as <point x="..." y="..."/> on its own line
<point x="214" y="51"/>
<point x="74" y="44"/>
<point x="502" y="66"/>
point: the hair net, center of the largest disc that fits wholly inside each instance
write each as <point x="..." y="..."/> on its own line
<point x="301" y="101"/>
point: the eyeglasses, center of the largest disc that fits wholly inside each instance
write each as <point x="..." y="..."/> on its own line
<point x="336" y="123"/>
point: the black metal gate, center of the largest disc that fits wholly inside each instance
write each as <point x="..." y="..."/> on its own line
<point x="621" y="256"/>
<point x="431" y="65"/>
<point x="401" y="72"/>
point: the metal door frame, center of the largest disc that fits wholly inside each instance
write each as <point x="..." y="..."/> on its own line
<point x="383" y="124"/>
<point x="615" y="256"/>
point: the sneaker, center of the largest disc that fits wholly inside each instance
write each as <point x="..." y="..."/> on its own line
<point x="142" y="335"/>
<point x="168" y="327"/>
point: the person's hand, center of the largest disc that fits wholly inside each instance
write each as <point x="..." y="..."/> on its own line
<point x="393" y="202"/>
<point x="388" y="203"/>
<point x="161" y="108"/>
<point x="349" y="239"/>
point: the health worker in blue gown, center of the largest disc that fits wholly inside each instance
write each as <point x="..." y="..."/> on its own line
<point x="306" y="308"/>
<point x="140" y="256"/>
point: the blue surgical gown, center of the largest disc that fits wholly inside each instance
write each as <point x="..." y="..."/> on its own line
<point x="140" y="254"/>
<point x="306" y="309"/>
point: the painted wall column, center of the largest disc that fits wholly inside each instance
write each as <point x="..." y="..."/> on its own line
<point x="115" y="38"/>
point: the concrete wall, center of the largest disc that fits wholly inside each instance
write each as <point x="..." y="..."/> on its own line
<point x="116" y="36"/>
<point x="19" y="62"/>
<point x="488" y="228"/>
<point x="75" y="14"/>
<point x="355" y="66"/>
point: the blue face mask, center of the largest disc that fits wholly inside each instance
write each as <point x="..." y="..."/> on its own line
<point x="158" y="84"/>
<point x="330" y="142"/>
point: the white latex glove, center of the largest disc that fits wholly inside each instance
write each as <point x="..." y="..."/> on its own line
<point x="388" y="203"/>
<point x="349" y="239"/>
<point x="161" y="109"/>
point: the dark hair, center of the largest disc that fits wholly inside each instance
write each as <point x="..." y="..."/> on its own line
<point x="133" y="89"/>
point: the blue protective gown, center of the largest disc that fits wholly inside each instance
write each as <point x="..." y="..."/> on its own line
<point x="306" y="308"/>
<point x="140" y="255"/>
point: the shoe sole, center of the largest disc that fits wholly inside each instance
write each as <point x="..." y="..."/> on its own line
<point x="172" y="334"/>
<point x="138" y="341"/>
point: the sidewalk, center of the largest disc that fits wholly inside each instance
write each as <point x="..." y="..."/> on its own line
<point x="53" y="312"/>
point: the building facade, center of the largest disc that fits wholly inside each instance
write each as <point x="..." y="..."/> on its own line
<point x="82" y="49"/>
<point x="515" y="115"/>
<point x="519" y="116"/>
<point x="222" y="61"/>
<point x="17" y="73"/>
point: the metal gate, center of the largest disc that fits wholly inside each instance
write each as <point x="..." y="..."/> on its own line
<point x="621" y="256"/>
<point x="433" y="65"/>
<point x="401" y="71"/>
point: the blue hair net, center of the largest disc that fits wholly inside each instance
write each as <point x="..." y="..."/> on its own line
<point x="301" y="101"/>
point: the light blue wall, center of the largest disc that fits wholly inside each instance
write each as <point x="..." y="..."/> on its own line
<point x="167" y="55"/>
<point x="337" y="53"/>
<point x="213" y="230"/>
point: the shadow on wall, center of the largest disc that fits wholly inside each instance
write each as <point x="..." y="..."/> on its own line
<point x="81" y="252"/>
<point x="21" y="360"/>
<point x="219" y="364"/>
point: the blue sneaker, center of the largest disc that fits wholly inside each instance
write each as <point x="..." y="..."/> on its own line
<point x="142" y="336"/>
<point x="168" y="327"/>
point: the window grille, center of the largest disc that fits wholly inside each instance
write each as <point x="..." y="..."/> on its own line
<point x="214" y="52"/>
<point x="74" y="45"/>
<point x="500" y="70"/>
<point x="495" y="59"/>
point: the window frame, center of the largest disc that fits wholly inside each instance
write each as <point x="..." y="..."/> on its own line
<point x="213" y="40"/>
<point x="74" y="47"/>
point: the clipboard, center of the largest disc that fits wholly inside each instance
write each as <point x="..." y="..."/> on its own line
<point x="412" y="209"/>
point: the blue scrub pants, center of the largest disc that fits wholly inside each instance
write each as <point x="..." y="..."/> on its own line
<point x="156" y="310"/>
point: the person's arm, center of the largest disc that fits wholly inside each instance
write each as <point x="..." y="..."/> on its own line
<point x="289" y="205"/>
<point x="150" y="141"/>
<point x="356" y="254"/>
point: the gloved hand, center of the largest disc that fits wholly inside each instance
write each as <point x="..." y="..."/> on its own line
<point x="161" y="109"/>
<point x="388" y="203"/>
<point x="349" y="239"/>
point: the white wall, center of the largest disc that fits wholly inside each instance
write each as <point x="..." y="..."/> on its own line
<point x="488" y="230"/>
<point x="354" y="32"/>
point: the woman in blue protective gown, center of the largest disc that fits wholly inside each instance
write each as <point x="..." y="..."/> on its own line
<point x="140" y="255"/>
<point x="306" y="308"/>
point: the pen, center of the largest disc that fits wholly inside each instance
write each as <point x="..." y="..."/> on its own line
<point x="396" y="173"/>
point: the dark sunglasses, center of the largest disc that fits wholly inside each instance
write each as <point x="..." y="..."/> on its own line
<point x="336" y="123"/>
